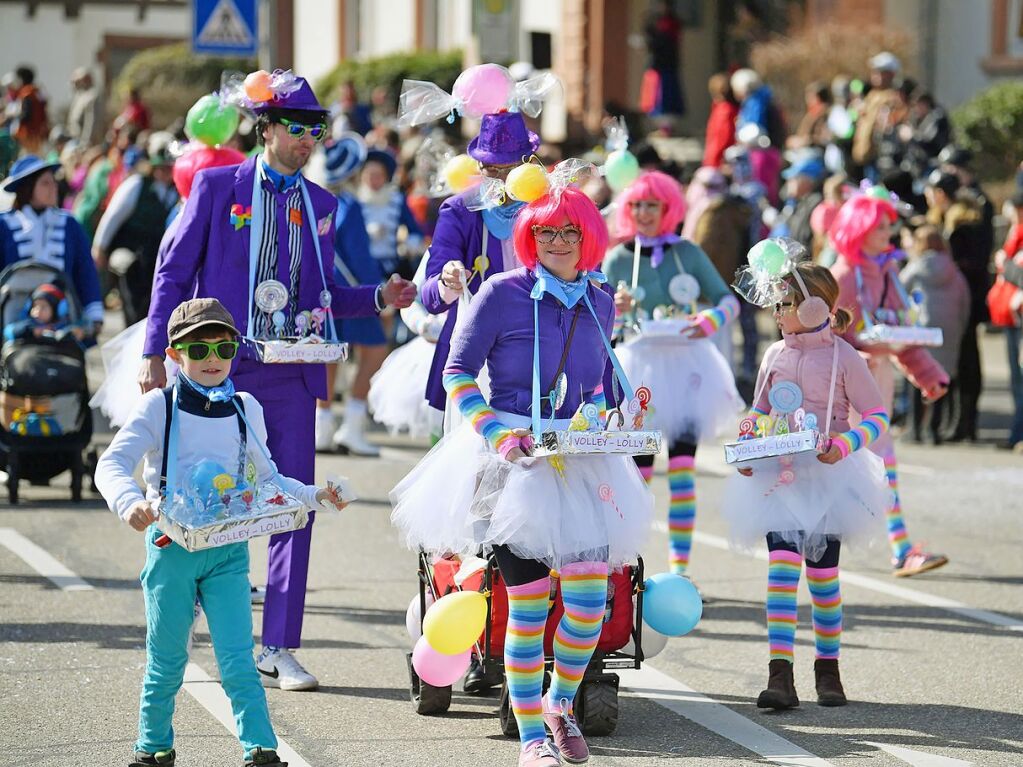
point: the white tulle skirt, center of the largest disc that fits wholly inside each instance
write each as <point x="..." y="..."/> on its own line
<point x="463" y="495"/>
<point x="847" y="500"/>
<point x="122" y="356"/>
<point x="694" y="394"/>
<point x="397" y="392"/>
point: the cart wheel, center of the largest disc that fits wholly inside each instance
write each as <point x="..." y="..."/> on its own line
<point x="425" y="697"/>
<point x="508" y="724"/>
<point x="12" y="478"/>
<point x="596" y="707"/>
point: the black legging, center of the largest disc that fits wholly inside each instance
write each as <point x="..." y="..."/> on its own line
<point x="828" y="559"/>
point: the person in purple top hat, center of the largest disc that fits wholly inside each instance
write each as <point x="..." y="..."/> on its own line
<point x="242" y="226"/>
<point x="463" y="235"/>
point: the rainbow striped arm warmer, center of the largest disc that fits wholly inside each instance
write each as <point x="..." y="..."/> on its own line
<point x="712" y="320"/>
<point x="618" y="327"/>
<point x="466" y="394"/>
<point x="600" y="401"/>
<point x="874" y="424"/>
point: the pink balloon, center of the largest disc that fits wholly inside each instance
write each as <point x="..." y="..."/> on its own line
<point x="436" y="668"/>
<point x="483" y="89"/>
<point x="198" y="157"/>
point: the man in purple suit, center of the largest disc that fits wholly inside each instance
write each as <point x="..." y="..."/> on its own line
<point x="244" y="226"/>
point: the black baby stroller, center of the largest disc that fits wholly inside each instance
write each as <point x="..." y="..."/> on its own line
<point x="45" y="420"/>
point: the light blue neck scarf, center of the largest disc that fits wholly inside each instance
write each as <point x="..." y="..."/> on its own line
<point x="223" y="393"/>
<point x="501" y="220"/>
<point x="568" y="293"/>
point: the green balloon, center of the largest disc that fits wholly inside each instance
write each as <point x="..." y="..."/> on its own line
<point x="879" y="192"/>
<point x="620" y="169"/>
<point x="210" y="122"/>
<point x="768" y="257"/>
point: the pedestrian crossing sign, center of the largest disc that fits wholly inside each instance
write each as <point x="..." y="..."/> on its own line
<point x="224" y="27"/>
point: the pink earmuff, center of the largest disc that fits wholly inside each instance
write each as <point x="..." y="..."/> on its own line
<point x="813" y="311"/>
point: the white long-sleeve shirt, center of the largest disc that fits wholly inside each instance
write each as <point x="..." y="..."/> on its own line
<point x="218" y="439"/>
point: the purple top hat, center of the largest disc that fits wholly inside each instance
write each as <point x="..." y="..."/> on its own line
<point x="297" y="95"/>
<point x="503" y="140"/>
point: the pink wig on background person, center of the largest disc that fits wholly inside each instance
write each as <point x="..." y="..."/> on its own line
<point x="551" y="210"/>
<point x="652" y="185"/>
<point x="855" y="220"/>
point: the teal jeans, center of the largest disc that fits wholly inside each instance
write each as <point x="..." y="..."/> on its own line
<point x="171" y="581"/>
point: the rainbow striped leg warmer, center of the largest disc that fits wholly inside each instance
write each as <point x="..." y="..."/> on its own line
<point x="584" y="594"/>
<point x="523" y="656"/>
<point x="681" y="511"/>
<point x="826" y="596"/>
<point x="783" y="571"/>
<point x="898" y="538"/>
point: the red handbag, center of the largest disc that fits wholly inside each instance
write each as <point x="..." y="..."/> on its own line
<point x="1003" y="304"/>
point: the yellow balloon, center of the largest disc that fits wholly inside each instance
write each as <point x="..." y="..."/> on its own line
<point x="527" y="183"/>
<point x="455" y="622"/>
<point x="460" y="171"/>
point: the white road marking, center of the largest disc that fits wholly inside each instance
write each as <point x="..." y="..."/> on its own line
<point x="867" y="582"/>
<point x="210" y="695"/>
<point x="41" y="561"/>
<point x="662" y="689"/>
<point x="920" y="758"/>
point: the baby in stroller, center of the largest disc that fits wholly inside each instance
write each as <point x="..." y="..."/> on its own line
<point x="45" y="421"/>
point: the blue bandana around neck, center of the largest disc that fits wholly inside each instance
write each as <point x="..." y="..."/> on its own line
<point x="223" y="393"/>
<point x="501" y="220"/>
<point x="568" y="293"/>
<point x="281" y="182"/>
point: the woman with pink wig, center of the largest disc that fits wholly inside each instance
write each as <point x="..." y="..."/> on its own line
<point x="694" y="394"/>
<point x="543" y="331"/>
<point x="869" y="288"/>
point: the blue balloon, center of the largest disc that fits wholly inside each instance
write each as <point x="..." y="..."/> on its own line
<point x="671" y="604"/>
<point x="200" y="480"/>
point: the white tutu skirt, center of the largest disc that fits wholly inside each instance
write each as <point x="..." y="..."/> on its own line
<point x="117" y="397"/>
<point x="397" y="392"/>
<point x="693" y="390"/>
<point x="847" y="500"/>
<point x="462" y="496"/>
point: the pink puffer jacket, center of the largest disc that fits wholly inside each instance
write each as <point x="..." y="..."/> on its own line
<point x="922" y="370"/>
<point x="806" y="360"/>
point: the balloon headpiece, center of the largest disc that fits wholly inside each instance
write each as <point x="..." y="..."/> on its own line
<point x="765" y="282"/>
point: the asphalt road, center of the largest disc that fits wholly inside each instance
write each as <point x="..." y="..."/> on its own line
<point x="931" y="664"/>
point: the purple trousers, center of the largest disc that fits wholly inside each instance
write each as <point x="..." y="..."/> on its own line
<point x="290" y="410"/>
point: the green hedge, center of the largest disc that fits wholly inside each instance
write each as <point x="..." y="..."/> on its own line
<point x="991" y="126"/>
<point x="171" y="78"/>
<point x="439" y="68"/>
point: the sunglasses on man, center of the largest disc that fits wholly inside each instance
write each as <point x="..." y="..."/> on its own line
<point x="200" y="350"/>
<point x="297" y="130"/>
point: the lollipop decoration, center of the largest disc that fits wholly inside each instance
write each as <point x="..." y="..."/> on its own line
<point x="607" y="495"/>
<point x="592" y="415"/>
<point x="785" y="397"/>
<point x="684" y="290"/>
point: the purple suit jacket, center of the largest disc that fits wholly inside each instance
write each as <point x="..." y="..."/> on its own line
<point x="457" y="237"/>
<point x="209" y="257"/>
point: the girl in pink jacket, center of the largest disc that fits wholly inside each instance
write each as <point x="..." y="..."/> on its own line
<point x="868" y="282"/>
<point x="808" y="504"/>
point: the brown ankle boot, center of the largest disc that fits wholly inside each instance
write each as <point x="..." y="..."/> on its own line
<point x="781" y="687"/>
<point x="829" y="683"/>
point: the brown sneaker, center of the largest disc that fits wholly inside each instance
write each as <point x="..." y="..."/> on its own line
<point x="916" y="561"/>
<point x="540" y="753"/>
<point x="829" y="683"/>
<point x="781" y="687"/>
<point x="566" y="733"/>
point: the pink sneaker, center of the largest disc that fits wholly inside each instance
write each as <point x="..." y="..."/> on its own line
<point x="566" y="733"/>
<point x="540" y="753"/>
<point x="916" y="561"/>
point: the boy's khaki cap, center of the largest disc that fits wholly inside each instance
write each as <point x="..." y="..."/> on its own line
<point x="197" y="313"/>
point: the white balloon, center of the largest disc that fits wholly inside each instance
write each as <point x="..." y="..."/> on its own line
<point x="413" y="619"/>
<point x="653" y="642"/>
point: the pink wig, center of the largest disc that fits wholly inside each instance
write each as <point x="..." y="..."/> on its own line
<point x="551" y="210"/>
<point x="652" y="185"/>
<point x="855" y="220"/>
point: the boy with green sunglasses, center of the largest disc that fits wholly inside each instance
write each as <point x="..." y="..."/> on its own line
<point x="214" y="424"/>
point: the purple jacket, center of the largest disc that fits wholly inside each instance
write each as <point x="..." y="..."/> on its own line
<point x="499" y="332"/>
<point x="209" y="257"/>
<point x="457" y="237"/>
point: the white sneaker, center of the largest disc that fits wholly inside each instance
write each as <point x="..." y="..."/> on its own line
<point x="279" y="668"/>
<point x="325" y="426"/>
<point x="257" y="594"/>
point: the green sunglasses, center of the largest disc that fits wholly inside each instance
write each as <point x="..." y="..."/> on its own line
<point x="298" y="130"/>
<point x="200" y="350"/>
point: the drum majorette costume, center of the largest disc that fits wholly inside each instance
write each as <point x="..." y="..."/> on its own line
<point x="694" y="394"/>
<point x="869" y="288"/>
<point x="243" y="226"/>
<point x="49" y="236"/>
<point x="537" y="334"/>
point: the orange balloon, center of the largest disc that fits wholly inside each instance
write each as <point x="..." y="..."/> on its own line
<point x="257" y="87"/>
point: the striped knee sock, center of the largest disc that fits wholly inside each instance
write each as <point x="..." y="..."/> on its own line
<point x="584" y="594"/>
<point x="523" y="655"/>
<point x="827" y="610"/>
<point x="782" y="582"/>
<point x="681" y="511"/>
<point x="898" y="538"/>
<point x="646" y="471"/>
